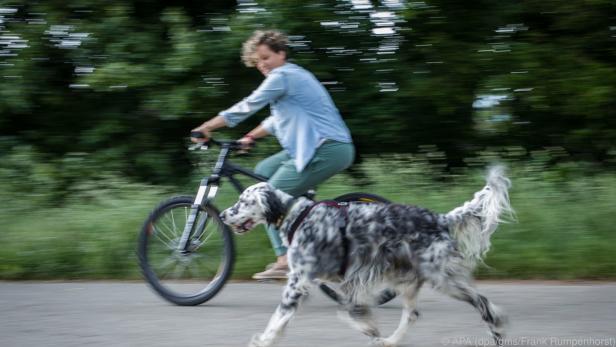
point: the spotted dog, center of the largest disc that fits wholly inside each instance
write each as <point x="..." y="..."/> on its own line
<point x="379" y="246"/>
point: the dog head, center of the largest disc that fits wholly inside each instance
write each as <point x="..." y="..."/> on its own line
<point x="258" y="204"/>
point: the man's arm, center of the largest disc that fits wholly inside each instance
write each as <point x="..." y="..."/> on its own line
<point x="207" y="127"/>
<point x="257" y="133"/>
<point x="248" y="140"/>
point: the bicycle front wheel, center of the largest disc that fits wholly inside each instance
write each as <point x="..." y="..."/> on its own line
<point x="192" y="276"/>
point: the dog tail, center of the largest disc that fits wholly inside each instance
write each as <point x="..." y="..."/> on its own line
<point x="473" y="223"/>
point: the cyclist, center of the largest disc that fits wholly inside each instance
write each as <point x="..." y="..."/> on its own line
<point x="315" y="140"/>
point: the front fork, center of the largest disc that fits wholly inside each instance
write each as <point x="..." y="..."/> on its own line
<point x="207" y="192"/>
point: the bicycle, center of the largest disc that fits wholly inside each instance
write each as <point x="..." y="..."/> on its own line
<point x="187" y="253"/>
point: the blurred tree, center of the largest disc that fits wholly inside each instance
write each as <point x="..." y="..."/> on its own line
<point x="556" y="66"/>
<point x="126" y="80"/>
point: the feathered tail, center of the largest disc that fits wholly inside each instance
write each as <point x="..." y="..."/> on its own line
<point x="473" y="223"/>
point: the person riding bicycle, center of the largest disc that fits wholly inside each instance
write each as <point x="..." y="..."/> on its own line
<point x="315" y="140"/>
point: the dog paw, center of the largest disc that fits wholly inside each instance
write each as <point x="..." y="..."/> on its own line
<point x="382" y="342"/>
<point x="258" y="341"/>
<point x="501" y="322"/>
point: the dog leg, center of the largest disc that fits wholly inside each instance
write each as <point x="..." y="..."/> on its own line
<point x="359" y="317"/>
<point x="296" y="287"/>
<point x="409" y="316"/>
<point x="458" y="287"/>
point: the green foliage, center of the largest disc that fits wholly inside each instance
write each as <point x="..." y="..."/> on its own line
<point x="97" y="95"/>
<point x="563" y="228"/>
<point x="153" y="71"/>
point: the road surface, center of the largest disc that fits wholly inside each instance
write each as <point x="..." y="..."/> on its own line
<point x="130" y="314"/>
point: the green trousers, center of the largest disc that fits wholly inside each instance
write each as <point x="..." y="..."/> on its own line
<point x="330" y="158"/>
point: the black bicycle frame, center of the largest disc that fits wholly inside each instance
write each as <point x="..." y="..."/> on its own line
<point x="229" y="170"/>
<point x="207" y="191"/>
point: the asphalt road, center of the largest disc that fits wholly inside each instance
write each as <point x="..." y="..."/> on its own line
<point x="130" y="314"/>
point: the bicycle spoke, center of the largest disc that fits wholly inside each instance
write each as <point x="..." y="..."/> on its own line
<point x="163" y="266"/>
<point x="179" y="274"/>
<point x="190" y="272"/>
<point x="206" y="266"/>
<point x="213" y="232"/>
<point x="171" y="273"/>
<point x="157" y="232"/>
<point x="165" y="223"/>
<point x="170" y="229"/>
<point x="209" y="234"/>
<point x="175" y="233"/>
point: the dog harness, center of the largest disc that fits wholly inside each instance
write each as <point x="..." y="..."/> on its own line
<point x="331" y="203"/>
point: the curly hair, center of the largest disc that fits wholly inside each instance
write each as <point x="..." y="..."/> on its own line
<point x="273" y="39"/>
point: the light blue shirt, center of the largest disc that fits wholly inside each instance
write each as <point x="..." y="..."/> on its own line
<point x="303" y="114"/>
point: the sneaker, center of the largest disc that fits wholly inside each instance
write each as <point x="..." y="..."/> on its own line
<point x="276" y="272"/>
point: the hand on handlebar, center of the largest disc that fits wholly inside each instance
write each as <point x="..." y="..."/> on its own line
<point x="246" y="144"/>
<point x="200" y="134"/>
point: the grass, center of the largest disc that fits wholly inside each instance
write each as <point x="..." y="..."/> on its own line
<point x="564" y="228"/>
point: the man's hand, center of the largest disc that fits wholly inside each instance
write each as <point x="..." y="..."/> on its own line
<point x="207" y="128"/>
<point x="207" y="133"/>
<point x="247" y="142"/>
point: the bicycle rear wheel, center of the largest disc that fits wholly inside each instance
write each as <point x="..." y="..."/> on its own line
<point x="362" y="197"/>
<point x="387" y="294"/>
<point x="189" y="277"/>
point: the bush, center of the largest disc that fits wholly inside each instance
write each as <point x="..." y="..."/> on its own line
<point x="68" y="219"/>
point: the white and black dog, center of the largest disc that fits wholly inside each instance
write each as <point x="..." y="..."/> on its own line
<point x="369" y="247"/>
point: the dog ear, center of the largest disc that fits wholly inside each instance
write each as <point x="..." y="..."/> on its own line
<point x="273" y="208"/>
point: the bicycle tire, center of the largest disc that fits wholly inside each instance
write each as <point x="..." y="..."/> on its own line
<point x="387" y="294"/>
<point x="361" y="197"/>
<point x="217" y="240"/>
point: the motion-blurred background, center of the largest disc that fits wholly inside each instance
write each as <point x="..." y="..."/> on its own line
<point x="97" y="99"/>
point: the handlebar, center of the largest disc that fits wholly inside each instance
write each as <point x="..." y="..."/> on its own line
<point x="231" y="144"/>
